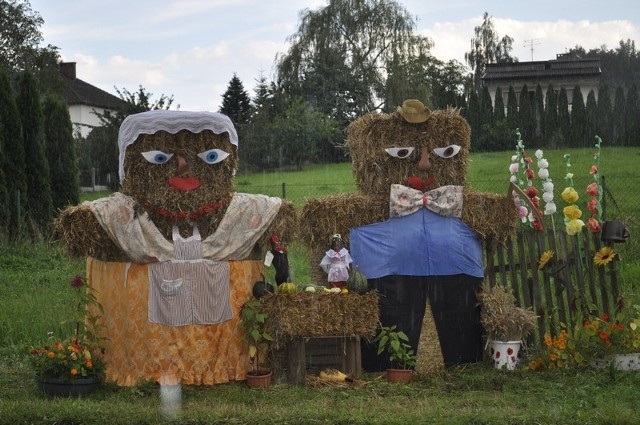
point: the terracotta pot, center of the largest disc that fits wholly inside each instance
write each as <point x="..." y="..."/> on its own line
<point x="260" y="380"/>
<point x="399" y="375"/>
<point x="504" y="354"/>
<point x="61" y="388"/>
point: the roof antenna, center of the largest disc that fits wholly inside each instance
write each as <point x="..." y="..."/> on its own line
<point x="530" y="43"/>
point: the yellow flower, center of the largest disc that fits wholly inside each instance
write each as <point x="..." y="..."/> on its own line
<point x="572" y="212"/>
<point x="569" y="195"/>
<point x="604" y="256"/>
<point x="574" y="226"/>
<point x="544" y="259"/>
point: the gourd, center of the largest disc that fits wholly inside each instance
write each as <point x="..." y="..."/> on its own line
<point x="287" y="288"/>
<point x="357" y="281"/>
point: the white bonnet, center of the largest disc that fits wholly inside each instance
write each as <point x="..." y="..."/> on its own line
<point x="172" y="122"/>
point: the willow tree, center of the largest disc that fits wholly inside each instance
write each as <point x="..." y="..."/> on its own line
<point x="345" y="57"/>
<point x="487" y="47"/>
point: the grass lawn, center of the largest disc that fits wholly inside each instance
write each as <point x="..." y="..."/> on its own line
<point x="35" y="300"/>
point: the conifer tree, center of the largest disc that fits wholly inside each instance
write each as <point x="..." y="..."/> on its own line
<point x="486" y="120"/>
<point x="4" y="192"/>
<point x="39" y="204"/>
<point x="564" y="120"/>
<point x="61" y="153"/>
<point x="618" y="135"/>
<point x="551" y="117"/>
<point x="14" y="157"/>
<point x="538" y="111"/>
<point x="512" y="110"/>
<point x="577" y="118"/>
<point x="632" y="117"/>
<point x="527" y="123"/>
<point x="236" y="103"/>
<point x="603" y="118"/>
<point x="591" y="119"/>
<point x="472" y="114"/>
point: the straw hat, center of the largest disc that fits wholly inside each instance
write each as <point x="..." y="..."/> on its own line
<point x="413" y="111"/>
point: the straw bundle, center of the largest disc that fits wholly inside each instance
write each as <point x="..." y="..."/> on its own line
<point x="313" y="314"/>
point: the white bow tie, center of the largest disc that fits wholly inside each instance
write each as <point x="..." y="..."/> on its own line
<point x="444" y="200"/>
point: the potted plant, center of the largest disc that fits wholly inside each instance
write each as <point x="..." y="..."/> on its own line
<point x="72" y="365"/>
<point x="506" y="324"/>
<point x="253" y="322"/>
<point x="401" y="354"/>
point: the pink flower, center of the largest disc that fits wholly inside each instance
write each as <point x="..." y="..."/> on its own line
<point x="592" y="189"/>
<point x="593" y="225"/>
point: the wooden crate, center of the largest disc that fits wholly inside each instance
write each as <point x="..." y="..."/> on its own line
<point x="312" y="354"/>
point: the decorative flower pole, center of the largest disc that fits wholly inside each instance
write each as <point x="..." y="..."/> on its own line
<point x="571" y="212"/>
<point x="594" y="190"/>
<point x="518" y="159"/>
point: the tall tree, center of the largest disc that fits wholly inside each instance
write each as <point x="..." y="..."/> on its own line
<point x="551" y="118"/>
<point x="236" y="103"/>
<point x="486" y="121"/>
<point x="538" y="111"/>
<point x="512" y="111"/>
<point x="578" y="118"/>
<point x="618" y="135"/>
<point x="20" y="40"/>
<point x="344" y="56"/>
<point x="604" y="117"/>
<point x="591" y="119"/>
<point x="632" y="117"/>
<point x="61" y="153"/>
<point x="472" y="115"/>
<point x="39" y="202"/>
<point x="564" y="119"/>
<point x="14" y="164"/>
<point x="526" y="114"/>
<point x="487" y="47"/>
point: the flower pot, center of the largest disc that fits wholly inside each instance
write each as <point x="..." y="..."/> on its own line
<point x="630" y="361"/>
<point x="60" y="388"/>
<point x="259" y="380"/>
<point x="399" y="375"/>
<point x="504" y="354"/>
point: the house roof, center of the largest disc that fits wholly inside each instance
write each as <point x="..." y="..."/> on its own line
<point x="78" y="92"/>
<point x="561" y="68"/>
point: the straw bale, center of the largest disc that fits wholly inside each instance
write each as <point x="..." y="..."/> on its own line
<point x="429" y="355"/>
<point x="314" y="314"/>
<point x="323" y="217"/>
<point x="82" y="236"/>
<point x="489" y="214"/>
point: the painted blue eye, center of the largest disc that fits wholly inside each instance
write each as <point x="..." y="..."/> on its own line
<point x="213" y="156"/>
<point x="157" y="157"/>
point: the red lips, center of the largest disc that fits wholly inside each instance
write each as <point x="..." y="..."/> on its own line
<point x="420" y="184"/>
<point x="184" y="183"/>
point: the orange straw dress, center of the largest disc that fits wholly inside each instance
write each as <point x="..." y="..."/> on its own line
<point x="137" y="350"/>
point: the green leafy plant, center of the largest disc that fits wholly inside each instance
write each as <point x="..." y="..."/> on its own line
<point x="76" y="356"/>
<point x="396" y="344"/>
<point x="253" y="322"/>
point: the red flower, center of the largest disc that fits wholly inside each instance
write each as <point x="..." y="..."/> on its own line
<point x="77" y="281"/>
<point x="594" y="169"/>
<point x="532" y="192"/>
<point x="592" y="206"/>
<point x="604" y="316"/>
<point x="528" y="160"/>
<point x="530" y="174"/>
<point x="605" y="337"/>
<point x="536" y="225"/>
<point x="592" y="189"/>
<point x="593" y="225"/>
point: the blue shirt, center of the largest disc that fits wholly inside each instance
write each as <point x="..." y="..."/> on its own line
<point x="420" y="244"/>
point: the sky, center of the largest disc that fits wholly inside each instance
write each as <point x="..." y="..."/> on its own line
<point x="190" y="49"/>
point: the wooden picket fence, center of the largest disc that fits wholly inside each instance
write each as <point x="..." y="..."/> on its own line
<point x="569" y="286"/>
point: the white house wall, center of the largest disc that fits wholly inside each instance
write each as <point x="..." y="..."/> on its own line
<point x="84" y="118"/>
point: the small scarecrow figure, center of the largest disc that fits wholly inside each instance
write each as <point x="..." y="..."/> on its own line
<point x="336" y="263"/>
<point x="414" y="228"/>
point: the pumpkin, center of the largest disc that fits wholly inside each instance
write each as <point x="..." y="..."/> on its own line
<point x="262" y="288"/>
<point x="287" y="288"/>
<point x="357" y="281"/>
